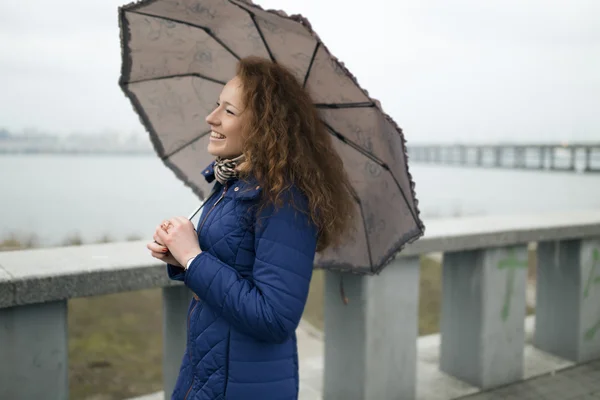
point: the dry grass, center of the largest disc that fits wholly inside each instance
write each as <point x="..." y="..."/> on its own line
<point x="115" y="345"/>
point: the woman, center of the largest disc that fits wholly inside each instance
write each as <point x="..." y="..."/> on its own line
<point x="280" y="195"/>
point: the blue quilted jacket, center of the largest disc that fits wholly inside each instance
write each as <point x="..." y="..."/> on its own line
<point x="250" y="285"/>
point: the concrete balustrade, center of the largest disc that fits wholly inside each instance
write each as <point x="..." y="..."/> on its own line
<point x="371" y="342"/>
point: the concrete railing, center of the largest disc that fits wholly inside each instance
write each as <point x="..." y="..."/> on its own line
<point x="371" y="342"/>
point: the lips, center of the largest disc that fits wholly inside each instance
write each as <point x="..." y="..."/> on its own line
<point x="216" y="135"/>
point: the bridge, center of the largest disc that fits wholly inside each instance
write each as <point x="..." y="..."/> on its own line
<point x="370" y="348"/>
<point x="572" y="157"/>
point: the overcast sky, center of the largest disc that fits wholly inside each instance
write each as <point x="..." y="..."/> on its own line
<point x="445" y="70"/>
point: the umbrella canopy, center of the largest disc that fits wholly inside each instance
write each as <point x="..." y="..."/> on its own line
<point x="178" y="54"/>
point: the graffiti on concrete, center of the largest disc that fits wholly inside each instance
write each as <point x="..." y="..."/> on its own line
<point x="592" y="279"/>
<point x="511" y="264"/>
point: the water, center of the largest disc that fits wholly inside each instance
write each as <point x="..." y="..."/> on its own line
<point x="56" y="196"/>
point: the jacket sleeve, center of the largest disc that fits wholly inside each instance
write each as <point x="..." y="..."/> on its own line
<point x="269" y="306"/>
<point x="175" y="273"/>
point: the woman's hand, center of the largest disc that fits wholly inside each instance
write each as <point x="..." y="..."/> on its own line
<point x="179" y="236"/>
<point x="162" y="253"/>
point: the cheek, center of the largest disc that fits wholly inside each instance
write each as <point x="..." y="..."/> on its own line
<point x="237" y="137"/>
<point x="237" y="142"/>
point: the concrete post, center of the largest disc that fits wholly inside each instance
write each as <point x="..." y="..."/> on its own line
<point x="572" y="158"/>
<point x="498" y="156"/>
<point x="371" y="342"/>
<point x="176" y="301"/>
<point x="568" y="299"/>
<point x="518" y="157"/>
<point x="542" y="157"/>
<point x="34" y="352"/>
<point x="588" y="159"/>
<point x="483" y="314"/>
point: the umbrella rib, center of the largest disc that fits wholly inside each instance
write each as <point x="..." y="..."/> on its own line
<point x="178" y="76"/>
<point x="312" y="60"/>
<point x="166" y="157"/>
<point x="179" y="21"/>
<point x="262" y="37"/>
<point x="405" y="199"/>
<point x="355" y="146"/>
<point x="366" y="235"/>
<point x="357" y="199"/>
<point x="378" y="161"/>
<point x="366" y="104"/>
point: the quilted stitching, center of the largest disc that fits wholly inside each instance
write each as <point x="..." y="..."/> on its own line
<point x="253" y="282"/>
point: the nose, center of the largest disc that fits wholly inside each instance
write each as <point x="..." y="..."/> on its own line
<point x="212" y="118"/>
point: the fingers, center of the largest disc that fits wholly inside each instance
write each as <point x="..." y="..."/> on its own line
<point x="161" y="237"/>
<point x="181" y="220"/>
<point x="166" y="224"/>
<point x="156" y="232"/>
<point x="160" y="256"/>
<point x="157" y="239"/>
<point x="162" y="232"/>
<point x="157" y="247"/>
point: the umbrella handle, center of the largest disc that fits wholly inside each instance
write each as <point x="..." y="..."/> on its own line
<point x="212" y="193"/>
<point x="192" y="215"/>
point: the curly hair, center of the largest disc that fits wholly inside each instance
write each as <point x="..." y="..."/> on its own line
<point x="286" y="143"/>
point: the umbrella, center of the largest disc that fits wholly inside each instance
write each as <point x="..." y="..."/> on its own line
<point x="178" y="54"/>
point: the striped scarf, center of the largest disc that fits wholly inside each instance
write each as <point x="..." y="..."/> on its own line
<point x="225" y="168"/>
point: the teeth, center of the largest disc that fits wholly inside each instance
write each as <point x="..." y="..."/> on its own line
<point x="217" y="135"/>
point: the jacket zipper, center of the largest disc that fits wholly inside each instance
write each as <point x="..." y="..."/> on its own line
<point x="227" y="364"/>
<point x="189" y="353"/>
<point x="190" y="315"/>
<point x="212" y="208"/>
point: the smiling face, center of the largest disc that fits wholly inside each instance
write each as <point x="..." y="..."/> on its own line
<point x="227" y="122"/>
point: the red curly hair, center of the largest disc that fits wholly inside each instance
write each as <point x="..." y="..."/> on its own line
<point x="286" y="143"/>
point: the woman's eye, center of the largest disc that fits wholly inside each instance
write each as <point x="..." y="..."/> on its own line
<point x="229" y="112"/>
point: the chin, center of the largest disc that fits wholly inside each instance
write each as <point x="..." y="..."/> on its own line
<point x="221" y="151"/>
<point x="214" y="150"/>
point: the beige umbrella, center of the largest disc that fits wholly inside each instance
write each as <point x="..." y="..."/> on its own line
<point x="176" y="57"/>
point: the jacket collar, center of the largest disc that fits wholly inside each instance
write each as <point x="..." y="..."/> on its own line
<point x="243" y="188"/>
<point x="209" y="172"/>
